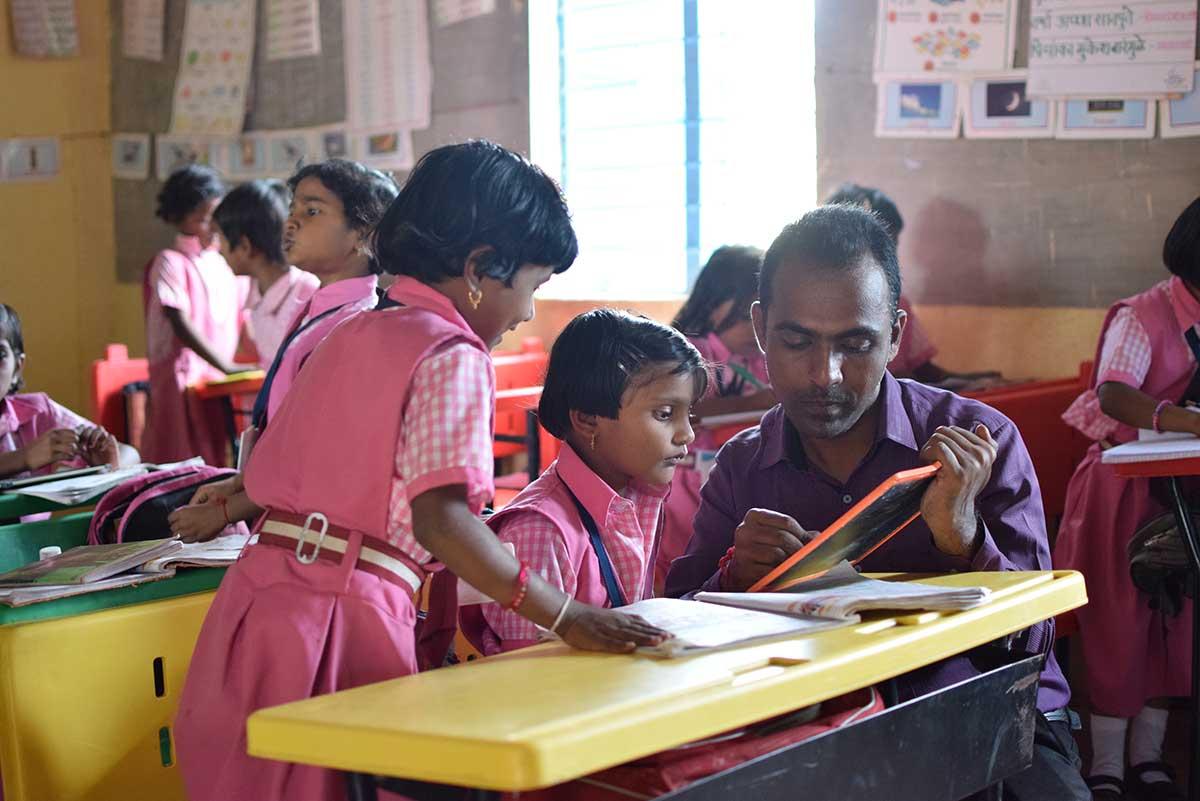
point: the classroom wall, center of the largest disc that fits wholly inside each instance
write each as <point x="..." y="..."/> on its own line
<point x="56" y="263"/>
<point x="1011" y="249"/>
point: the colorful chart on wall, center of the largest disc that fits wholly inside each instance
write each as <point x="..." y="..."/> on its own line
<point x="998" y="107"/>
<point x="1179" y="115"/>
<point x="944" y="36"/>
<point x="1093" y="48"/>
<point x="1107" y="118"/>
<point x="917" y="108"/>
<point x="214" y="67"/>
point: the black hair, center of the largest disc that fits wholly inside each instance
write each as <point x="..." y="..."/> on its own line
<point x="364" y="192"/>
<point x="872" y="200"/>
<point x="1181" y="250"/>
<point x="599" y="354"/>
<point x="731" y="273"/>
<point x="10" y="332"/>
<point x="832" y="238"/>
<point x="256" y="210"/>
<point x="186" y="189"/>
<point x="477" y="194"/>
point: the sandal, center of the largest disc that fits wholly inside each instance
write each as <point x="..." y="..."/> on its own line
<point x="1106" y="788"/>
<point x="1154" y="791"/>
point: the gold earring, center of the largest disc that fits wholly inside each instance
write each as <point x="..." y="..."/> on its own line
<point x="593" y="441"/>
<point x="474" y="297"/>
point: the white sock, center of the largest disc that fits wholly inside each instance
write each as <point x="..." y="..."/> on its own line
<point x="1146" y="741"/>
<point x="1108" y="746"/>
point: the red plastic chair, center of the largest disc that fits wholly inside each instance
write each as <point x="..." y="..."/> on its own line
<point x="110" y="376"/>
<point x="517" y="370"/>
<point x="542" y="448"/>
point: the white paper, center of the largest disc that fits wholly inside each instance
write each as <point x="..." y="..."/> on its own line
<point x="293" y="29"/>
<point x="131" y="156"/>
<point x="45" y="28"/>
<point x="388" y="71"/>
<point x="915" y="36"/>
<point x="28" y="159"/>
<point x="217" y="552"/>
<point x="172" y="152"/>
<point x="1152" y="451"/>
<point x="1179" y="115"/>
<point x="81" y="488"/>
<point x="448" y="12"/>
<point x="142" y="23"/>
<point x="1107" y="118"/>
<point x="214" y="67"/>
<point x="999" y="107"/>
<point x="385" y="150"/>
<point x="1100" y="48"/>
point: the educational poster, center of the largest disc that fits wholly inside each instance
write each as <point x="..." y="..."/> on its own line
<point x="131" y="156"/>
<point x="246" y="157"/>
<point x="944" y="36"/>
<point x="214" y="67"/>
<point x="28" y="159"/>
<point x="293" y="29"/>
<point x="998" y="107"/>
<point x="289" y="150"/>
<point x="448" y="12"/>
<point x="388" y="70"/>
<point x="44" y="28"/>
<point x="1095" y="48"/>
<point x="386" y="150"/>
<point x="142" y="23"/>
<point x="1179" y="115"/>
<point x="172" y="152"/>
<point x="1106" y="118"/>
<point x="917" y="108"/>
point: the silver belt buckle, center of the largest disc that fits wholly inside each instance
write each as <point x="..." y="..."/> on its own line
<point x="310" y="558"/>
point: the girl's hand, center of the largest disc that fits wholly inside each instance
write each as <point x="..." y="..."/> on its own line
<point x="225" y="488"/>
<point x="197" y="523"/>
<point x="97" y="446"/>
<point x="593" y="629"/>
<point x="53" y="446"/>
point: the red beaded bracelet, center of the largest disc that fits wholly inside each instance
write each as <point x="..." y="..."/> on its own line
<point x="1158" y="410"/>
<point x="726" y="559"/>
<point x="223" y="502"/>
<point x="522" y="588"/>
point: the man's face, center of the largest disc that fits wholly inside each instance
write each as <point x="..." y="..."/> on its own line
<point x="828" y="336"/>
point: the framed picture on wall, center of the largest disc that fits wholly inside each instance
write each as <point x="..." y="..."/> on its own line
<point x="917" y="108"/>
<point x="172" y="152"/>
<point x="386" y="150"/>
<point x="290" y="149"/>
<point x="998" y="107"/>
<point x="246" y="157"/>
<point x="1106" y="118"/>
<point x="1180" y="115"/>
<point x="131" y="156"/>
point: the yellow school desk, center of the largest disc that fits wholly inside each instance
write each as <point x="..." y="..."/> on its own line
<point x="547" y="714"/>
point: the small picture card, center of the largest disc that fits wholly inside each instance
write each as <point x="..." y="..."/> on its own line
<point x="1106" y="118"/>
<point x="246" y="157"/>
<point x="917" y="108"/>
<point x="386" y="150"/>
<point x="131" y="156"/>
<point x="290" y="150"/>
<point x="998" y="107"/>
<point x="1179" y="115"/>
<point x="171" y="152"/>
<point x="333" y="143"/>
<point x="29" y="159"/>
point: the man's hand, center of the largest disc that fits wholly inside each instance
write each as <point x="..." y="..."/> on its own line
<point x="761" y="542"/>
<point x="949" y="504"/>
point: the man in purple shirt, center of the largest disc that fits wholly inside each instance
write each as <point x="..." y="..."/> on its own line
<point x="828" y="321"/>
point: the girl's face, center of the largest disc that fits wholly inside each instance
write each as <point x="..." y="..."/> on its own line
<point x="317" y="236"/>
<point x="198" y="222"/>
<point x="11" y="363"/>
<point x="652" y="431"/>
<point x="503" y="308"/>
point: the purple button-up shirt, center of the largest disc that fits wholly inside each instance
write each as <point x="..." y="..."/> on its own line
<point x="765" y="467"/>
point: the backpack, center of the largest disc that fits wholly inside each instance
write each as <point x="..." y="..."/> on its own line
<point x="138" y="509"/>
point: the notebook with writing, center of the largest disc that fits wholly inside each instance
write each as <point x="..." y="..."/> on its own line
<point x="868" y="524"/>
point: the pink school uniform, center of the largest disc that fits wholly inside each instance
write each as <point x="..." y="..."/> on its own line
<point x="325" y="309"/>
<point x="1131" y="653"/>
<point x="299" y="615"/>
<point x="548" y="533"/>
<point x="199" y="283"/>
<point x="272" y="312"/>
<point x="916" y="348"/>
<point x="734" y="375"/>
<point x="25" y="417"/>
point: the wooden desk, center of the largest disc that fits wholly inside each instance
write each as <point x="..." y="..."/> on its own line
<point x="1173" y="470"/>
<point x="545" y="715"/>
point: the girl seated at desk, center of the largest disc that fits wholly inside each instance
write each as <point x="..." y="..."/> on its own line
<point x="619" y="391"/>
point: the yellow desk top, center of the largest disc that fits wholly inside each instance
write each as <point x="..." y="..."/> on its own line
<point x="548" y="714"/>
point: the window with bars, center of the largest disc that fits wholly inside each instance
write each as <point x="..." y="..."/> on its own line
<point x="674" y="126"/>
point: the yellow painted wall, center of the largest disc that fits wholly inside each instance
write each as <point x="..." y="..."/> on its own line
<point x="56" y="236"/>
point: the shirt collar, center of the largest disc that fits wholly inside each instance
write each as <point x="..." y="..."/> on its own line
<point x="781" y="441"/>
<point x="408" y="291"/>
<point x="1184" y="304"/>
<point x="591" y="490"/>
<point x="342" y="292"/>
<point x="190" y="245"/>
<point x="14" y="413"/>
<point x="276" y="293"/>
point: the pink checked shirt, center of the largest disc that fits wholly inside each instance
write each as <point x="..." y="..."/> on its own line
<point x="1126" y="356"/>
<point x="272" y="312"/>
<point x="628" y="523"/>
<point x="24" y="418"/>
<point x="349" y="297"/>
<point x="916" y="348"/>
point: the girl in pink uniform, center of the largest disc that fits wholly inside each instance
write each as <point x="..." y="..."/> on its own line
<point x="716" y="319"/>
<point x="193" y="320"/>
<point x="618" y="391"/>
<point x="373" y="473"/>
<point x="1134" y="656"/>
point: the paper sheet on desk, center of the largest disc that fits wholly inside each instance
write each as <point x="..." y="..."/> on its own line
<point x="1152" y="450"/>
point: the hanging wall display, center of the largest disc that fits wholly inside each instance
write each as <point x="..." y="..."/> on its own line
<point x="131" y="156"/>
<point x="1179" y="115"/>
<point x="999" y="107"/>
<point x="917" y="108"/>
<point x="944" y="36"/>
<point x="44" y="28"/>
<point x="214" y="67"/>
<point x="1107" y="118"/>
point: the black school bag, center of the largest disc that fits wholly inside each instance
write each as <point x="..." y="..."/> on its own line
<point x="138" y="509"/>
